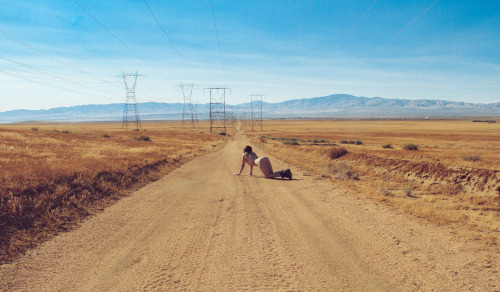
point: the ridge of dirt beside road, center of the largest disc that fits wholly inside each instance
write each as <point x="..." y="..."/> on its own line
<point x="202" y="228"/>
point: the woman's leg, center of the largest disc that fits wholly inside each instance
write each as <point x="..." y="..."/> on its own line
<point x="267" y="168"/>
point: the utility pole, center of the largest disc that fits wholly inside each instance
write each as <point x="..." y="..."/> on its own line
<point x="256" y="111"/>
<point x="188" y="111"/>
<point x="217" y="108"/>
<point x="130" y="111"/>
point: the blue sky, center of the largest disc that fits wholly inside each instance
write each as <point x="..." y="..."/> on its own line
<point x="53" y="53"/>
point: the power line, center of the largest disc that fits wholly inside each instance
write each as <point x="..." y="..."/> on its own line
<point x="218" y="39"/>
<point x="54" y="74"/>
<point x="292" y="47"/>
<point x="119" y="40"/>
<point x="46" y="72"/>
<point x="35" y="49"/>
<point x="52" y="57"/>
<point x="169" y="39"/>
<point x="353" y="27"/>
<point x="405" y="27"/>
<point x="31" y="47"/>
<point x="304" y="20"/>
<point x="54" y="86"/>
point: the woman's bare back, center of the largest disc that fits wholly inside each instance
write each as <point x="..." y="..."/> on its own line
<point x="251" y="158"/>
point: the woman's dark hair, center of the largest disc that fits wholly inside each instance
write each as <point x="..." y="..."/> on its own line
<point x="248" y="149"/>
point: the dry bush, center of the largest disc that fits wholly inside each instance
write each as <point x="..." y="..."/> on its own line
<point x="472" y="157"/>
<point x="143" y="138"/>
<point x="407" y="187"/>
<point x="342" y="171"/>
<point x="388" y="184"/>
<point x="336" y="152"/>
<point x="410" y="146"/>
<point x="290" y="142"/>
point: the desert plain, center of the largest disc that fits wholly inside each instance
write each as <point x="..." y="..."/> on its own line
<point x="373" y="205"/>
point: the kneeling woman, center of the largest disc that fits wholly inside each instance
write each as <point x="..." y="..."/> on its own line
<point x="263" y="163"/>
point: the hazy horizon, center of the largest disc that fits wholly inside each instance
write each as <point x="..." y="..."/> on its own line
<point x="246" y="102"/>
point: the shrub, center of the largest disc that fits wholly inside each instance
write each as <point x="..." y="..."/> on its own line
<point x="137" y="130"/>
<point x="344" y="142"/>
<point x="316" y="141"/>
<point x="65" y="132"/>
<point x="357" y="142"/>
<point x="34" y="129"/>
<point x="472" y="157"/>
<point x="143" y="138"/>
<point x="341" y="171"/>
<point x="336" y="152"/>
<point x="290" y="142"/>
<point x="385" y="188"/>
<point x="387" y="184"/>
<point x="386" y="145"/>
<point x="106" y="136"/>
<point x="410" y="146"/>
<point x="407" y="188"/>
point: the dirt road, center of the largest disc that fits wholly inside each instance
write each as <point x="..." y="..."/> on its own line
<point x="203" y="229"/>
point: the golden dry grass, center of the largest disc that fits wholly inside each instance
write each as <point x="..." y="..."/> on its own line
<point x="56" y="174"/>
<point x="436" y="182"/>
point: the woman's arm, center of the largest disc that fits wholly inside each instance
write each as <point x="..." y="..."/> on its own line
<point x="243" y="161"/>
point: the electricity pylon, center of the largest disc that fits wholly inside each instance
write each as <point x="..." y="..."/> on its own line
<point x="130" y="111"/>
<point x="230" y="117"/>
<point x="217" y="108"/>
<point x="256" y="111"/>
<point x="188" y="111"/>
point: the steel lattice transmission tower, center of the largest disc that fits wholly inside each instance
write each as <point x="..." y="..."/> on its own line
<point x="130" y="111"/>
<point x="217" y="108"/>
<point x="256" y="111"/>
<point x="230" y="117"/>
<point x="189" y="110"/>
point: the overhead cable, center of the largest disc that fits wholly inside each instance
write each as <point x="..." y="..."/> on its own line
<point x="292" y="47"/>
<point x="405" y="27"/>
<point x="353" y="27"/>
<point x="46" y="72"/>
<point x="53" y="57"/>
<point x="121" y="42"/>
<point x="55" y="86"/>
<point x="218" y="39"/>
<point x="168" y="37"/>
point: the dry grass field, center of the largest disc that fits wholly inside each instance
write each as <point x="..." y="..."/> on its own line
<point x="450" y="177"/>
<point x="53" y="175"/>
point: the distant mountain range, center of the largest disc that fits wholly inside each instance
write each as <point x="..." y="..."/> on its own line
<point x="332" y="106"/>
